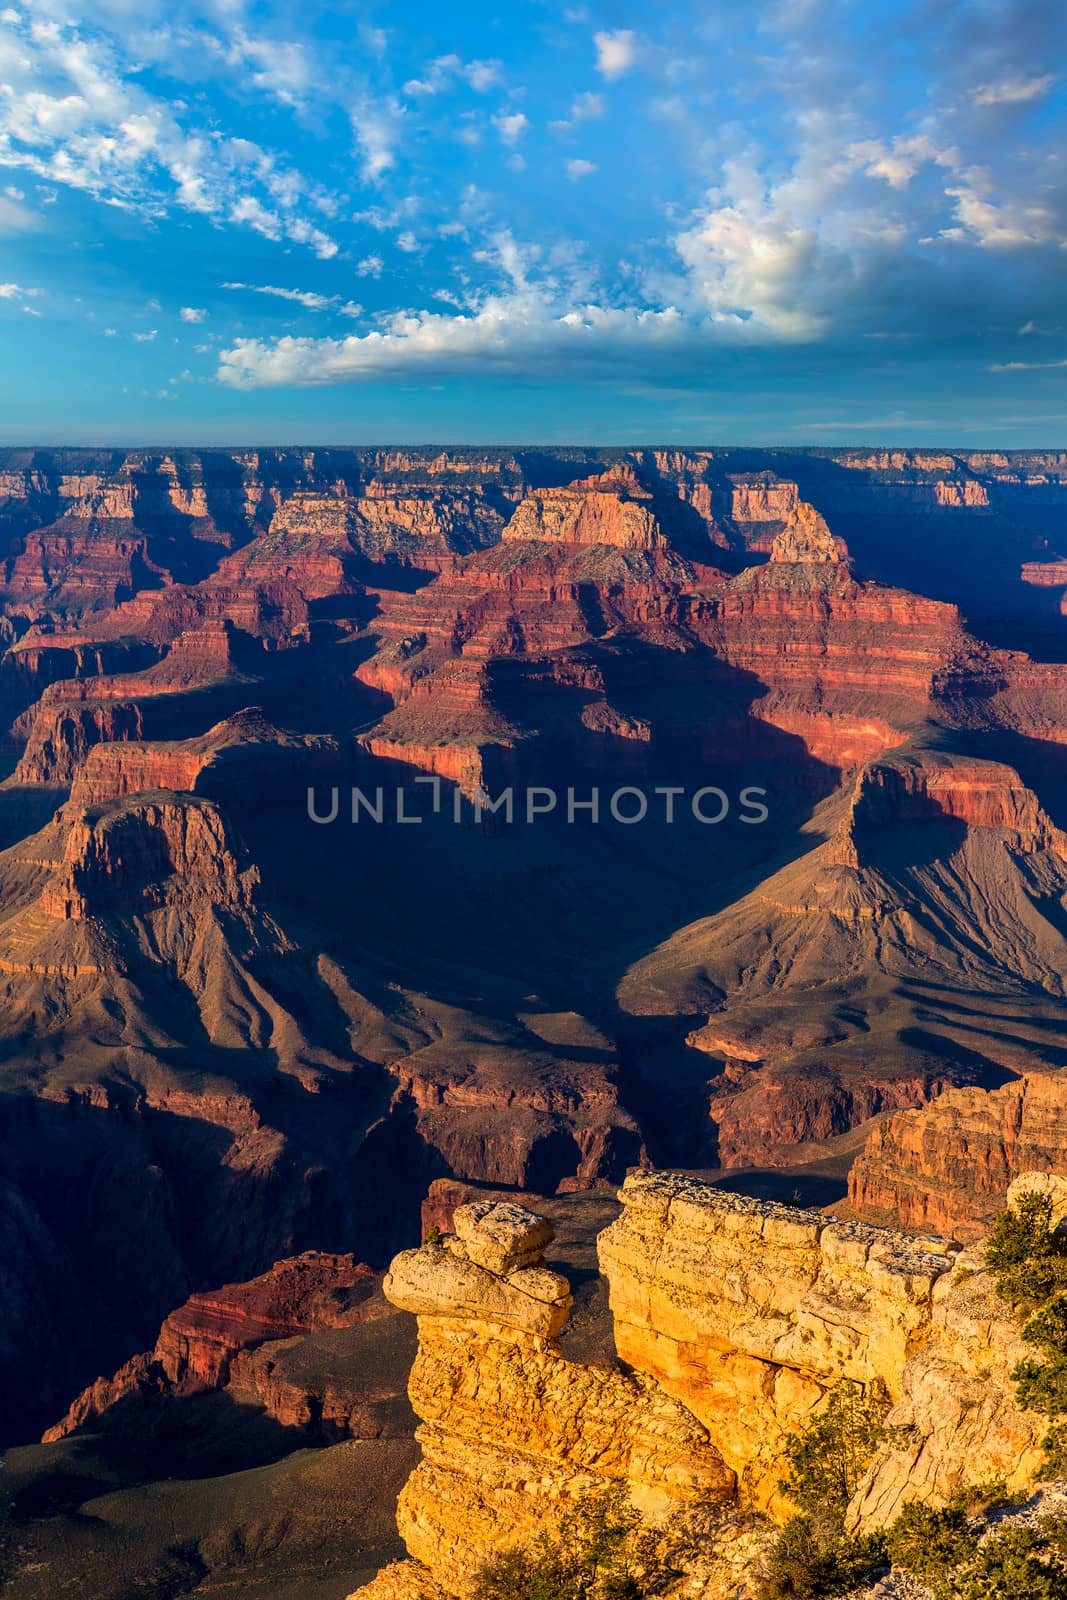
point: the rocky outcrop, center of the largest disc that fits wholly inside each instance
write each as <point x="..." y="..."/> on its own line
<point x="955" y="1421"/>
<point x="760" y="497"/>
<point x="206" y="1344"/>
<point x="613" y="508"/>
<point x="931" y="786"/>
<point x="806" y="538"/>
<point x="746" y="1314"/>
<point x="750" y="1312"/>
<point x="948" y="1166"/>
<point x="147" y="852"/>
<point x="512" y="1432"/>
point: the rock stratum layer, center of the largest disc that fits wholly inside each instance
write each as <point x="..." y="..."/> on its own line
<point x="948" y="1166"/>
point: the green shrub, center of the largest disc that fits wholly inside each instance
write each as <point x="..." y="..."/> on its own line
<point x="1029" y="1263"/>
<point x="594" y="1556"/>
<point x="829" y="1457"/>
<point x="1013" y="1565"/>
<point x="1028" y="1260"/>
<point x="812" y="1556"/>
<point x="812" y="1559"/>
<point x="933" y="1545"/>
<point x="978" y="1498"/>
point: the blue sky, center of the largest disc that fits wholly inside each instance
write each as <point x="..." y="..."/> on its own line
<point x="813" y="221"/>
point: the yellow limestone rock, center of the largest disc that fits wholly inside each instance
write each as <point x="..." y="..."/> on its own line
<point x="955" y="1422"/>
<point x="402" y="1580"/>
<point x="512" y="1432"/>
<point x="749" y="1312"/>
<point x="735" y="1319"/>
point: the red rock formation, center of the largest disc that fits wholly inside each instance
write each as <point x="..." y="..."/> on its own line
<point x="201" y="1344"/>
<point x="948" y="1165"/>
<point x="76" y="714"/>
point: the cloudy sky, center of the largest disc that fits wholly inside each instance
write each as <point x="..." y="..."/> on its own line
<point x="815" y="221"/>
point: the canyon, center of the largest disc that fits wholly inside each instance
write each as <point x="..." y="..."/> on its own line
<point x="243" y="1051"/>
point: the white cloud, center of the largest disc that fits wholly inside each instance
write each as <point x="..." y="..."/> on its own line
<point x="74" y="111"/>
<point x="511" y="126"/>
<point x="898" y="160"/>
<point x="308" y="298"/>
<point x="1011" y="225"/>
<point x="1015" y="91"/>
<point x="507" y="334"/>
<point x="447" y="70"/>
<point x="192" y="314"/>
<point x="1027" y="366"/>
<point x="369" y="267"/>
<point x="376" y="125"/>
<point x="579" y="169"/>
<point x="146" y="338"/>
<point x="281" y="67"/>
<point x="15" y="218"/>
<point x="616" y="52"/>
<point x="110" y="333"/>
<point x="15" y="291"/>
<point x="587" y="106"/>
<point x="758" y="267"/>
<point x="584" y="108"/>
<point x="407" y="242"/>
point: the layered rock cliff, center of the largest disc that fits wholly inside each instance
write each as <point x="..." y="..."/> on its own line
<point x="948" y="1166"/>
<point x="733" y="1320"/>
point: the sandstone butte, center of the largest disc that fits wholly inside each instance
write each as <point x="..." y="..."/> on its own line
<point x="733" y="1319"/>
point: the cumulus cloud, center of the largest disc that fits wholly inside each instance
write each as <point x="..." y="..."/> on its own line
<point x="505" y="335"/>
<point x="146" y="338"/>
<point x="579" y="169"/>
<point x="448" y="70"/>
<point x="511" y="126"/>
<point x="370" y="267"/>
<point x="192" y="314"/>
<point x="616" y="52"/>
<point x="1012" y="224"/>
<point x="898" y="160"/>
<point x="1015" y="91"/>
<point x="15" y="291"/>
